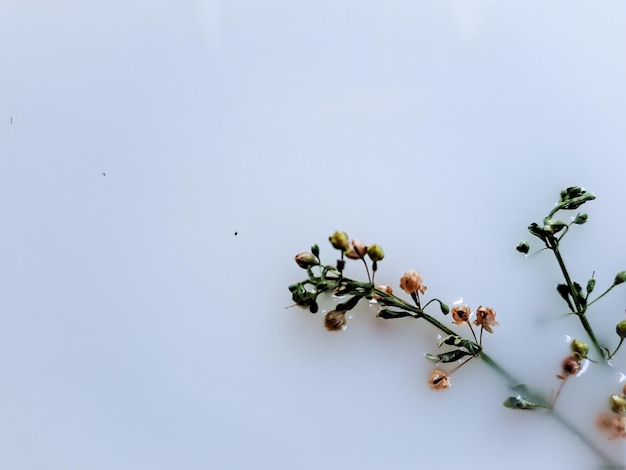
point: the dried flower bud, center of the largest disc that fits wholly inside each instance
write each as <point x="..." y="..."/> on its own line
<point x="356" y="249"/>
<point x="486" y="318"/>
<point x="306" y="260"/>
<point x="580" y="349"/>
<point x="461" y="314"/>
<point x="619" y="278"/>
<point x="438" y="380"/>
<point x="339" y="240"/>
<point x="613" y="425"/>
<point x="620" y="329"/>
<point x="375" y="252"/>
<point x="335" y="320"/>
<point x="570" y="366"/>
<point x="411" y="282"/>
<point x="617" y="404"/>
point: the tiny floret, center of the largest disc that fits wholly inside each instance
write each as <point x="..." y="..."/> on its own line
<point x="612" y="425"/>
<point x="375" y="252"/>
<point x="461" y="314"/>
<point x="438" y="380"/>
<point x="570" y="366"/>
<point x="411" y="282"/>
<point x="356" y="249"/>
<point x="486" y="318"/>
<point x="339" y="240"/>
<point x="306" y="260"/>
<point x="580" y="349"/>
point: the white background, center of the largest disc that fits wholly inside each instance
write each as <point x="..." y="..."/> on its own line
<point x="162" y="162"/>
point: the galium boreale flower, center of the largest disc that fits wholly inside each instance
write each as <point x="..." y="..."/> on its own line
<point x="356" y="249"/>
<point x="335" y="320"/>
<point x="486" y="318"/>
<point x="438" y="380"/>
<point x="460" y="314"/>
<point x="411" y="282"/>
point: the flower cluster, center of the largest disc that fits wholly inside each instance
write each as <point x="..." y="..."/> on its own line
<point x="457" y="350"/>
<point x="330" y="278"/>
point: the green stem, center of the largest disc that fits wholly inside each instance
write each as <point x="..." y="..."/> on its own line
<point x="601" y="295"/>
<point x="616" y="349"/>
<point x="580" y="311"/>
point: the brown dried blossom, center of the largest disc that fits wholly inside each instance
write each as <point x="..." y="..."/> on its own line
<point x="486" y="318"/>
<point x="411" y="282"/>
<point x="335" y="320"/>
<point x="612" y="424"/>
<point x="438" y="380"/>
<point x="461" y="314"/>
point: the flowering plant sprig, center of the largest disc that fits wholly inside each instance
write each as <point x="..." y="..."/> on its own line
<point x="551" y="233"/>
<point x="458" y="349"/>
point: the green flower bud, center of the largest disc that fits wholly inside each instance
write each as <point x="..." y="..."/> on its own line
<point x="339" y="240"/>
<point x="553" y="226"/>
<point x="591" y="283"/>
<point x="620" y="278"/>
<point x="620" y="329"/>
<point x="618" y="403"/>
<point x="580" y="349"/>
<point x="306" y="260"/>
<point x="523" y="247"/>
<point x="581" y="219"/>
<point x="375" y="252"/>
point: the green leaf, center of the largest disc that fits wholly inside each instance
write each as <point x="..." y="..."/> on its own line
<point x="315" y="249"/>
<point x="520" y="403"/>
<point x="564" y="291"/>
<point x="450" y="356"/>
<point x="458" y="341"/>
<point x="388" y="314"/>
<point x="349" y="304"/>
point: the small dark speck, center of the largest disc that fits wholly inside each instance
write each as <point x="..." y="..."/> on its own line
<point x="103" y="173"/>
<point x="236" y="233"/>
<point x="11" y="120"/>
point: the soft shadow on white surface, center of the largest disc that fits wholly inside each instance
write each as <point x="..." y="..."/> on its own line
<point x="162" y="162"/>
